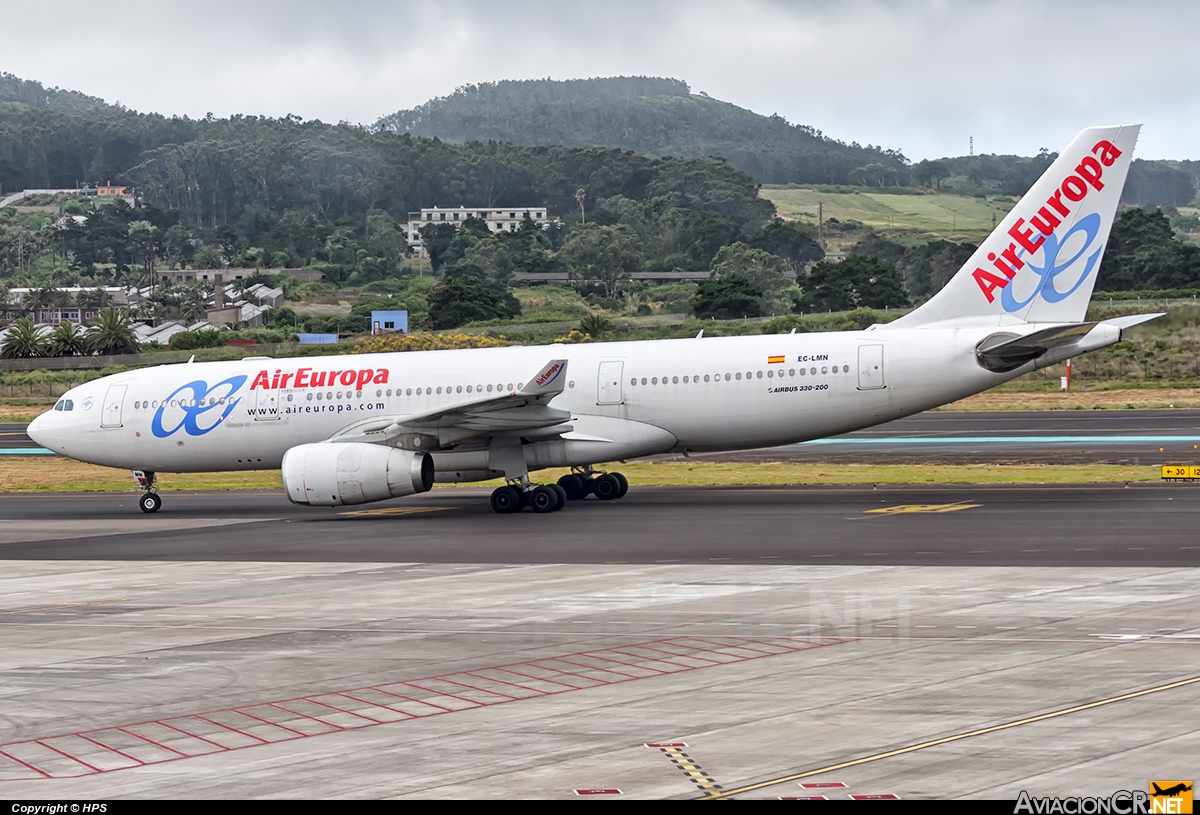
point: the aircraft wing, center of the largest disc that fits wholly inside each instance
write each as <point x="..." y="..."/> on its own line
<point x="526" y="409"/>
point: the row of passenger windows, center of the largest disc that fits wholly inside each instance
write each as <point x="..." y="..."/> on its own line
<point x="770" y="374"/>
<point x="330" y="395"/>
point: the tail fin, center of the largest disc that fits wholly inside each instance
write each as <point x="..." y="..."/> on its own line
<point x="1040" y="264"/>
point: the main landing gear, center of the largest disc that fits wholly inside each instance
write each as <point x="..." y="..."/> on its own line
<point x="150" y="501"/>
<point x="576" y="486"/>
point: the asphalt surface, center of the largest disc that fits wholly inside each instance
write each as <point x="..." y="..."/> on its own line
<point x="1040" y="525"/>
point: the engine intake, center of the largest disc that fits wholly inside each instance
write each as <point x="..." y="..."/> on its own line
<point x="332" y="474"/>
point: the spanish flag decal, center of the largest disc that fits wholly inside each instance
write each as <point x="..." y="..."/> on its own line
<point x="773" y="360"/>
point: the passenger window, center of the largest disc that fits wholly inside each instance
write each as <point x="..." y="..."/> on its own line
<point x="771" y="373"/>
<point x="674" y="380"/>
<point x="706" y="377"/>
<point x="791" y="371"/>
<point x="633" y="381"/>
<point x="739" y="375"/>
<point x="685" y="380"/>
<point x="759" y="374"/>
<point x="211" y="401"/>
<point x="644" y="380"/>
<point x="510" y="387"/>
<point x="457" y="390"/>
<point x="812" y="371"/>
<point x="468" y="388"/>
<point x="845" y="369"/>
<point x="439" y="390"/>
<point x="654" y="380"/>
<point x="310" y="397"/>
<point x="728" y="377"/>
<point x="824" y="370"/>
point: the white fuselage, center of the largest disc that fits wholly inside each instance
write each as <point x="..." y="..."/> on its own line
<point x="625" y="399"/>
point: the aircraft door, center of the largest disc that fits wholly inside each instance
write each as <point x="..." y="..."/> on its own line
<point x="870" y="367"/>
<point x="608" y="383"/>
<point x="110" y="416"/>
<point x="266" y="405"/>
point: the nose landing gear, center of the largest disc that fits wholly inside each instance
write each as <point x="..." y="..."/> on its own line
<point x="150" y="501"/>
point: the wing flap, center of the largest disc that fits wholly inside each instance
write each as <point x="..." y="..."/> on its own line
<point x="525" y="409"/>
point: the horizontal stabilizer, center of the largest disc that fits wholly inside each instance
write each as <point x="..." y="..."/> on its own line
<point x="1006" y="351"/>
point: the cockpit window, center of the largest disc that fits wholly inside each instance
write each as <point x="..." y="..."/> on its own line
<point x="64" y="404"/>
<point x="59" y="405"/>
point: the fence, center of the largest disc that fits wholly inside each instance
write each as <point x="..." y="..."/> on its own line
<point x="138" y="360"/>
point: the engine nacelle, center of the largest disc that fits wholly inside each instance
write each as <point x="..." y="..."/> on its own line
<point x="332" y="474"/>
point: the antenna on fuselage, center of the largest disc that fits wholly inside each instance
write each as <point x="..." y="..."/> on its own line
<point x="701" y="334"/>
<point x="191" y="359"/>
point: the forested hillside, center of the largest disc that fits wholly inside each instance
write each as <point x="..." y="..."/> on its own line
<point x="648" y="115"/>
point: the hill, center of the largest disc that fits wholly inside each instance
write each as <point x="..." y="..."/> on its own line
<point x="648" y="115"/>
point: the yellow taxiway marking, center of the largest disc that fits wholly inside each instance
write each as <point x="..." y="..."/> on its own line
<point x="56" y="608"/>
<point x="907" y="508"/>
<point x="983" y="731"/>
<point x="393" y="511"/>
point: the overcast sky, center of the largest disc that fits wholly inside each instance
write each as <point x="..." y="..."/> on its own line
<point x="918" y="76"/>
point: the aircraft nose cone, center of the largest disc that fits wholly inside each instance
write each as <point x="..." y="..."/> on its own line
<point x="37" y="431"/>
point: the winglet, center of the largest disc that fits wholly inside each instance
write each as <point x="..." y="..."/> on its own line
<point x="551" y="379"/>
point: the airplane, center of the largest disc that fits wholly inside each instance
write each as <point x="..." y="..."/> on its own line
<point x="354" y="429"/>
<point x="1170" y="792"/>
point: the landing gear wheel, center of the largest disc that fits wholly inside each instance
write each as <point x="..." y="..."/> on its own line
<point x="624" y="484"/>
<point x="506" y="500"/>
<point x="150" y="502"/>
<point x="562" y="495"/>
<point x="543" y="499"/>
<point x="575" y="486"/>
<point x="607" y="487"/>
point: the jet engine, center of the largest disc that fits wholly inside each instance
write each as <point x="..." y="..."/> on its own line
<point x="331" y="474"/>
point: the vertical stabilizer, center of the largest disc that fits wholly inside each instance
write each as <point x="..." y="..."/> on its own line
<point x="1040" y="264"/>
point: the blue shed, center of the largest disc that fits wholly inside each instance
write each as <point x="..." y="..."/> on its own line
<point x="389" y="322"/>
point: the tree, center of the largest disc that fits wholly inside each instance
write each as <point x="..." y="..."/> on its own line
<point x="764" y="270"/>
<point x="581" y="196"/>
<point x="856" y="282"/>
<point x="436" y="239"/>
<point x="112" y="333"/>
<point x="795" y="243"/>
<point x="930" y="172"/>
<point x="605" y="255"/>
<point x="727" y="298"/>
<point x="466" y="298"/>
<point x="595" y="325"/>
<point x="24" y="339"/>
<point x="67" y="340"/>
<point x="207" y="257"/>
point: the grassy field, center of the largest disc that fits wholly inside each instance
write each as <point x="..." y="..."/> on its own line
<point x="52" y="474"/>
<point x="917" y="217"/>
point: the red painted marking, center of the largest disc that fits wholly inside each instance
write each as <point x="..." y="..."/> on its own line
<point x="204" y="718"/>
<point x="599" y="791"/>
<point x="822" y="785"/>
<point x="661" y="744"/>
<point x="109" y="748"/>
<point x="543" y="677"/>
<point x="150" y="741"/>
<point x="23" y="764"/>
<point x="271" y="723"/>
<point x="886" y="796"/>
<point x="186" y="733"/>
<point x="804" y="798"/>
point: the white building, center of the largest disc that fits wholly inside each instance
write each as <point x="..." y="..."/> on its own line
<point x="498" y="219"/>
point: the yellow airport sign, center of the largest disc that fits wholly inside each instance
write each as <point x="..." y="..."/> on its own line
<point x="1180" y="471"/>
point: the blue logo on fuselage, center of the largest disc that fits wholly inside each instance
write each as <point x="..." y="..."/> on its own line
<point x="1051" y="268"/>
<point x="201" y="413"/>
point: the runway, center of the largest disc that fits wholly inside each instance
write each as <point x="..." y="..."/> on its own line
<point x="920" y="641"/>
<point x="1035" y="526"/>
